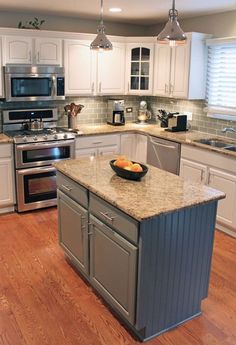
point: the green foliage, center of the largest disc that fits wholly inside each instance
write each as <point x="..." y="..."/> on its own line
<point x="32" y="24"/>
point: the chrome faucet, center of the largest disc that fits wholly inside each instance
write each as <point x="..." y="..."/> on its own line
<point x="228" y="129"/>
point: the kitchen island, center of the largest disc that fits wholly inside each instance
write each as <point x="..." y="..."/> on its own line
<point x="145" y="246"/>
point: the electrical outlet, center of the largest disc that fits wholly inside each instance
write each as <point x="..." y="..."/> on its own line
<point x="129" y="110"/>
<point x="189" y="115"/>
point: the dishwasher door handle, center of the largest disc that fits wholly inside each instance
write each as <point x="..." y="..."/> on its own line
<point x="163" y="145"/>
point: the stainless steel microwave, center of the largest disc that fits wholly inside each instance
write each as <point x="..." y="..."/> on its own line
<point x="34" y="83"/>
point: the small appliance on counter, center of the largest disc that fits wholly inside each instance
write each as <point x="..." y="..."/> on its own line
<point x="116" y="115"/>
<point x="177" y="123"/>
<point x="143" y="114"/>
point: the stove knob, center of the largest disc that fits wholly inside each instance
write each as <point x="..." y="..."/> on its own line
<point x="45" y="137"/>
<point x="55" y="136"/>
<point x="65" y="136"/>
<point x="35" y="138"/>
<point x="25" y="139"/>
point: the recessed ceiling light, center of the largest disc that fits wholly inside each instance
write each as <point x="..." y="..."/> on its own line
<point x="115" y="9"/>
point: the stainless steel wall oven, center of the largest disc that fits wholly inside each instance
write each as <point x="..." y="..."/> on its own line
<point x="34" y="154"/>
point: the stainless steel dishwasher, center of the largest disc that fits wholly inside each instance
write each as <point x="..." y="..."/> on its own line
<point x="163" y="154"/>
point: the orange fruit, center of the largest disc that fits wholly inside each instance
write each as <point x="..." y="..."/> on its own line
<point x="136" y="167"/>
<point x="122" y="163"/>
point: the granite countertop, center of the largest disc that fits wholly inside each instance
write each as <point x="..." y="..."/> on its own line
<point x="159" y="192"/>
<point x="5" y="139"/>
<point x="188" y="137"/>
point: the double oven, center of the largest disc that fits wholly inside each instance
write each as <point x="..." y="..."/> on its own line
<point x="34" y="155"/>
<point x="35" y="175"/>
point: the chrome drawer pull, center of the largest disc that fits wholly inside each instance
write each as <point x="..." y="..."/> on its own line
<point x="105" y="215"/>
<point x="97" y="142"/>
<point x="66" y="188"/>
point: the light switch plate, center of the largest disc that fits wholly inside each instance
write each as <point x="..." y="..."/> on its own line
<point x="129" y="110"/>
<point x="189" y="115"/>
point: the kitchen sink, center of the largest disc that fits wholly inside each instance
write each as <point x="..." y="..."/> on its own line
<point x="231" y="148"/>
<point x="213" y="142"/>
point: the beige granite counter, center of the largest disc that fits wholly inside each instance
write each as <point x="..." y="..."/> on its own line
<point x="4" y="139"/>
<point x="188" y="137"/>
<point x="157" y="193"/>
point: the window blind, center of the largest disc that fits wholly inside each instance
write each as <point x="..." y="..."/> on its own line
<point x="221" y="81"/>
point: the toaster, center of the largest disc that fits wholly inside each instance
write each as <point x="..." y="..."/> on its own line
<point x="177" y="123"/>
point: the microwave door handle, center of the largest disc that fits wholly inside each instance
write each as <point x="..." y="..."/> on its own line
<point x="54" y="81"/>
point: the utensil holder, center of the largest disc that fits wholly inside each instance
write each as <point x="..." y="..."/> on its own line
<point x="72" y="122"/>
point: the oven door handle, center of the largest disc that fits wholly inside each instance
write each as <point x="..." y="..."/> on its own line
<point x="33" y="171"/>
<point x="43" y="145"/>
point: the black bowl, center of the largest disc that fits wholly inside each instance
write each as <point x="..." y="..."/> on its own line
<point x="127" y="174"/>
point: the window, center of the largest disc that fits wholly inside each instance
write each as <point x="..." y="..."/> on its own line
<point x="221" y="79"/>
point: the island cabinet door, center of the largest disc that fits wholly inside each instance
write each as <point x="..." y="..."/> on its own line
<point x="73" y="231"/>
<point x="113" y="268"/>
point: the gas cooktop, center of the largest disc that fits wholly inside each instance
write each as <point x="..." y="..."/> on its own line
<point x="47" y="134"/>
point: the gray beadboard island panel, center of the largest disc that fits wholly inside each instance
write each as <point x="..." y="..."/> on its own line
<point x="174" y="266"/>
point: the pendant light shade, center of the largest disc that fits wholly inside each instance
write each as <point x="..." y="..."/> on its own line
<point x="172" y="33"/>
<point x="101" y="42"/>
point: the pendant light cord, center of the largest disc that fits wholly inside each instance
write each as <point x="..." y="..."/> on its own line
<point x="101" y="13"/>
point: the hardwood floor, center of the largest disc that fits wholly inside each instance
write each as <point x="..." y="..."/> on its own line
<point x="43" y="301"/>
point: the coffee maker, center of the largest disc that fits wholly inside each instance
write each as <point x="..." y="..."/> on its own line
<point x="116" y="115"/>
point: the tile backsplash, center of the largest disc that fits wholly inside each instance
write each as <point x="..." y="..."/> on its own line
<point x="199" y="122"/>
<point x="95" y="111"/>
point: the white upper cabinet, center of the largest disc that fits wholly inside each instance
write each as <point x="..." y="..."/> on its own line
<point x="111" y="70"/>
<point x="48" y="51"/>
<point x="29" y="50"/>
<point x="180" y="71"/>
<point x="80" y="68"/>
<point x="18" y="50"/>
<point x="139" y="68"/>
<point x="1" y="75"/>
<point x="162" y="70"/>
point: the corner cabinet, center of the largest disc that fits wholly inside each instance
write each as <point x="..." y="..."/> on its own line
<point x="139" y="68"/>
<point x="180" y="71"/>
<point x="217" y="171"/>
<point x="134" y="146"/>
<point x="29" y="50"/>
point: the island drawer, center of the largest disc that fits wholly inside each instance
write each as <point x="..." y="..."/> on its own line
<point x="115" y="218"/>
<point x="72" y="189"/>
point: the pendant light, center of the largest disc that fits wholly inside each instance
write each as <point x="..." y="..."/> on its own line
<point x="172" y="33"/>
<point x="101" y="42"/>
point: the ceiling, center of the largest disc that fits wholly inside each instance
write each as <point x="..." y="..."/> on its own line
<point x="133" y="11"/>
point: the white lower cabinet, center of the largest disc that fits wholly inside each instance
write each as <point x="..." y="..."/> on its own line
<point x="97" y="145"/>
<point x="217" y="171"/>
<point x="134" y="147"/>
<point x="127" y="145"/>
<point x="193" y="171"/>
<point x="6" y="178"/>
<point x="225" y="182"/>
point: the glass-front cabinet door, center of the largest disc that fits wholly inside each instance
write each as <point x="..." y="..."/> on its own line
<point x="139" y="68"/>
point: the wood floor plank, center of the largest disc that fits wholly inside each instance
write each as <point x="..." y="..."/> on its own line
<point x="43" y="300"/>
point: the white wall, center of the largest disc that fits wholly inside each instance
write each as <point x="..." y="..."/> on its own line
<point x="220" y="25"/>
<point x="57" y="23"/>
